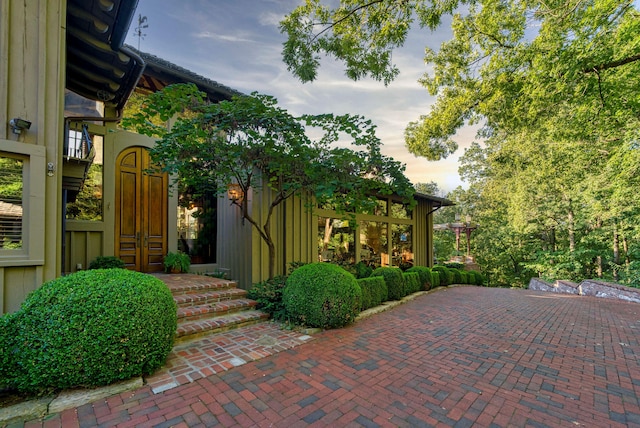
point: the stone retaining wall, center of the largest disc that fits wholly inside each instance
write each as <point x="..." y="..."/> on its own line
<point x="588" y="288"/>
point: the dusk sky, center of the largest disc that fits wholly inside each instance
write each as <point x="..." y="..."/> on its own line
<point x="238" y="44"/>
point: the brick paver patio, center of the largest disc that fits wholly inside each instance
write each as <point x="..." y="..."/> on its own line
<point x="462" y="357"/>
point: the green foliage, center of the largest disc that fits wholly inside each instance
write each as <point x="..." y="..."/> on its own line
<point x="411" y="282"/>
<point x="106" y="262"/>
<point x="177" y="262"/>
<point x="494" y="68"/>
<point x="262" y="147"/>
<point x="268" y="294"/>
<point x="374" y="291"/>
<point x="425" y="276"/>
<point x="362" y="270"/>
<point x="435" y="279"/>
<point x="457" y="276"/>
<point x="88" y="329"/>
<point x="446" y="276"/>
<point x="454" y="265"/>
<point x="394" y="280"/>
<point x="322" y="295"/>
<point x="554" y="183"/>
<point x="88" y="203"/>
<point x="464" y="277"/>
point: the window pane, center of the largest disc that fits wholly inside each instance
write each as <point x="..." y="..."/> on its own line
<point x="87" y="203"/>
<point x="10" y="203"/>
<point x="197" y="227"/>
<point x="336" y="239"/>
<point x="399" y="210"/>
<point x="402" y="244"/>
<point x="373" y="243"/>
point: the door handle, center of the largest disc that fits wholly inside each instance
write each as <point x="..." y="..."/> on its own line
<point x="137" y="239"/>
<point x="146" y="240"/>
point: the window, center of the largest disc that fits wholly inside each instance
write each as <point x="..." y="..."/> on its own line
<point x="336" y="240"/>
<point x="11" y="195"/>
<point x="87" y="203"/>
<point x="373" y="243"/>
<point x="197" y="226"/>
<point x="399" y="210"/>
<point x="402" y="245"/>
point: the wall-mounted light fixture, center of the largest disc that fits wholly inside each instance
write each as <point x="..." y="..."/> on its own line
<point x="235" y="193"/>
<point x="18" y="125"/>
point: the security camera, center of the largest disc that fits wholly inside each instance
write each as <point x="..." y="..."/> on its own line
<point x="18" y="125"/>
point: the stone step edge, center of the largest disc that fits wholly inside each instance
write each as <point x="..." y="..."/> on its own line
<point x="191" y="299"/>
<point x="188" y="286"/>
<point x="195" y="312"/>
<point x="196" y="329"/>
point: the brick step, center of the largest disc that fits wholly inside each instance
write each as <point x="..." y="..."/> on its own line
<point x="180" y="284"/>
<point x="191" y="330"/>
<point x="209" y="305"/>
<point x="205" y="297"/>
<point x="208" y="310"/>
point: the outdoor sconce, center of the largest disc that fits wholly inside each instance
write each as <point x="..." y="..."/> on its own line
<point x="18" y="125"/>
<point x="235" y="193"/>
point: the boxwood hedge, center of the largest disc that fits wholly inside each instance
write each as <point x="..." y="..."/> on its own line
<point x="322" y="295"/>
<point x="395" y="282"/>
<point x="90" y="328"/>
<point x="374" y="291"/>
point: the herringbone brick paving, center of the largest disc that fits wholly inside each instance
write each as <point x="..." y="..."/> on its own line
<point x="461" y="357"/>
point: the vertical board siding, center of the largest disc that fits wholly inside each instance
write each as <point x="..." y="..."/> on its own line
<point x="15" y="284"/>
<point x="233" y="247"/>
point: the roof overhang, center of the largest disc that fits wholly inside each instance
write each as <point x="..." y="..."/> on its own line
<point x="98" y="66"/>
<point x="159" y="73"/>
<point x="436" y="202"/>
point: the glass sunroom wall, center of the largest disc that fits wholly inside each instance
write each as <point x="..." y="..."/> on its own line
<point x="373" y="243"/>
<point x="402" y="244"/>
<point x="336" y="241"/>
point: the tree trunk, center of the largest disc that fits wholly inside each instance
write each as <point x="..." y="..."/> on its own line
<point x="571" y="231"/>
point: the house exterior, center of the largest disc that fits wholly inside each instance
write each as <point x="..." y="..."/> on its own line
<point x="74" y="186"/>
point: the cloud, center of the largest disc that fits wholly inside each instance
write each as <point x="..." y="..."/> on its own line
<point x="222" y="37"/>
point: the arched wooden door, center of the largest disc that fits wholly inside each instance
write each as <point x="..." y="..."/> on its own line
<point x="141" y="212"/>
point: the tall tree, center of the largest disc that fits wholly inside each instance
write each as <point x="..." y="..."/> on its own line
<point x="515" y="65"/>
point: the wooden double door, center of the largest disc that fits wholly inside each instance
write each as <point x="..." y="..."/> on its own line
<point x="141" y="211"/>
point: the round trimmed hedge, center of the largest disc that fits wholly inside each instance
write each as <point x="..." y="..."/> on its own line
<point x="322" y="295"/>
<point x="90" y="328"/>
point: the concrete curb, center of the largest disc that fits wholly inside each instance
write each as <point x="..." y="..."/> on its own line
<point x="39" y="408"/>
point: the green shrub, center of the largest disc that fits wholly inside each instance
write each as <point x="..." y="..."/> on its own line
<point x="8" y="344"/>
<point x="411" y="282"/>
<point x="374" y="291"/>
<point x="435" y="279"/>
<point x="362" y="270"/>
<point x="322" y="295"/>
<point x="478" y="278"/>
<point x="177" y="262"/>
<point x="395" y="283"/>
<point x="446" y="276"/>
<point x="268" y="294"/>
<point x="457" y="276"/>
<point x="90" y="328"/>
<point x="425" y="276"/>
<point x="106" y="262"/>
<point x="454" y="265"/>
<point x="464" y="275"/>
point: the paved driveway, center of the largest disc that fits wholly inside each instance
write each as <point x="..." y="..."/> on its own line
<point x="464" y="356"/>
